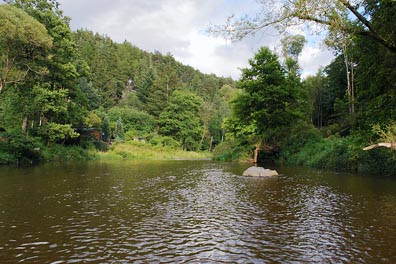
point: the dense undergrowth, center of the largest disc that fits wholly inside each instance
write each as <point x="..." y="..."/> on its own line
<point x="20" y="149"/>
<point x="342" y="154"/>
<point x="135" y="150"/>
<point x="332" y="153"/>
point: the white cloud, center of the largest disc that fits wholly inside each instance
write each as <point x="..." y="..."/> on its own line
<point x="178" y="26"/>
<point x="312" y="58"/>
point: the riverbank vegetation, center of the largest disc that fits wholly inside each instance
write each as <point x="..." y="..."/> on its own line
<point x="135" y="150"/>
<point x="325" y="120"/>
<point x="80" y="95"/>
<point x="70" y="95"/>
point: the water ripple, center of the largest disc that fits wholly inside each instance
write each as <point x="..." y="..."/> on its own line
<point x="197" y="213"/>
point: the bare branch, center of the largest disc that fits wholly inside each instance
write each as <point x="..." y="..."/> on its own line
<point x="391" y="145"/>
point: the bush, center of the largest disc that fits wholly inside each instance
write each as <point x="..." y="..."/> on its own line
<point x="133" y="119"/>
<point x="67" y="153"/>
<point x="101" y="146"/>
<point x="335" y="153"/>
<point x="164" y="141"/>
<point x="379" y="160"/>
<point x="230" y="151"/>
<point x="16" y="147"/>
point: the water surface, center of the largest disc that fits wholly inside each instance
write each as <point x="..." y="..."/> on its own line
<point x="193" y="212"/>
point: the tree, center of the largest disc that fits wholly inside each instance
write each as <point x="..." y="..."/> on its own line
<point x="354" y="18"/>
<point x="180" y="119"/>
<point x="60" y="133"/>
<point x="376" y="70"/>
<point x="265" y="110"/>
<point x="291" y="48"/>
<point x="62" y="72"/>
<point x="119" y="130"/>
<point x="106" y="131"/>
<point x="315" y="87"/>
<point x="144" y="85"/>
<point x="24" y="45"/>
<point x="132" y="119"/>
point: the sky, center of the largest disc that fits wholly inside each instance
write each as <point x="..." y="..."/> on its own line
<point x="179" y="27"/>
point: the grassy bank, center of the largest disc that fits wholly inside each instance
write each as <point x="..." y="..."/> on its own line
<point x="133" y="150"/>
<point x="25" y="150"/>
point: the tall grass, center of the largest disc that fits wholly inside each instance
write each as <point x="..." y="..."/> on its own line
<point x="134" y="150"/>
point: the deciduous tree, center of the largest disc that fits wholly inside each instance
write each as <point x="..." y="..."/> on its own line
<point x="24" y="45"/>
<point x="181" y="120"/>
<point x="352" y="17"/>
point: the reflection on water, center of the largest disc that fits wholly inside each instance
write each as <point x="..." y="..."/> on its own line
<point x="193" y="211"/>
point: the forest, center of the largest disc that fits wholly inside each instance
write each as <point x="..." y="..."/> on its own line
<point x="68" y="95"/>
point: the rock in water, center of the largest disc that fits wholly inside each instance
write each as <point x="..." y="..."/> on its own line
<point x="259" y="172"/>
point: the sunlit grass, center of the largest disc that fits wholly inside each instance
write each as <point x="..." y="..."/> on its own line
<point x="133" y="150"/>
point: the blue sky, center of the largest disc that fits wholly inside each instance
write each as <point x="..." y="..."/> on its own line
<point x="178" y="27"/>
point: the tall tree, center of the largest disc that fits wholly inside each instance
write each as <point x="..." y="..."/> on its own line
<point x="265" y="109"/>
<point x="24" y="45"/>
<point x="181" y="121"/>
<point x="119" y="130"/>
<point x="62" y="72"/>
<point x="106" y="130"/>
<point x="292" y="47"/>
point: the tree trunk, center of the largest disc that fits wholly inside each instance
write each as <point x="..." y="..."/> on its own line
<point x="352" y="87"/>
<point x="391" y="145"/>
<point x="24" y="124"/>
<point x="256" y="152"/>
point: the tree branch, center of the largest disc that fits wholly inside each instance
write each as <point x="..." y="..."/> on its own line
<point x="391" y="145"/>
<point x="372" y="32"/>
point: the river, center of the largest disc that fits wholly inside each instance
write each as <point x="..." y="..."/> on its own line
<point x="193" y="212"/>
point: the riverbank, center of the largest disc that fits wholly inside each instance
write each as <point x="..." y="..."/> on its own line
<point x="341" y="154"/>
<point x="123" y="150"/>
<point x="134" y="150"/>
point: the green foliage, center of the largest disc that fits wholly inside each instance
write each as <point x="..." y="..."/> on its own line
<point x="106" y="131"/>
<point x="268" y="106"/>
<point x="341" y="154"/>
<point x="59" y="133"/>
<point x="92" y="120"/>
<point x="119" y="132"/>
<point x="62" y="153"/>
<point x="387" y="133"/>
<point x="301" y="134"/>
<point x="19" y="148"/>
<point x="61" y="79"/>
<point x="231" y="150"/>
<point x="164" y="141"/>
<point x="134" y="150"/>
<point x="101" y="146"/>
<point x="48" y="103"/>
<point x="181" y="121"/>
<point x="133" y="119"/>
<point x="24" y="44"/>
<point x="291" y="48"/>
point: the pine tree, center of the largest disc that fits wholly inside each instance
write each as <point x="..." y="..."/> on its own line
<point x="119" y="130"/>
<point x="106" y="131"/>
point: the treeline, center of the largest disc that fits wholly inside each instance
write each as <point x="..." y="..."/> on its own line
<point x="56" y="83"/>
<point x="325" y="120"/>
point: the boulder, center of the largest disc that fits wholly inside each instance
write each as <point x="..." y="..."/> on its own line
<point x="259" y="172"/>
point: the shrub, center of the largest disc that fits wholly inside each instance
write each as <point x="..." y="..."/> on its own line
<point x="163" y="141"/>
<point x="230" y="151"/>
<point x="20" y="148"/>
